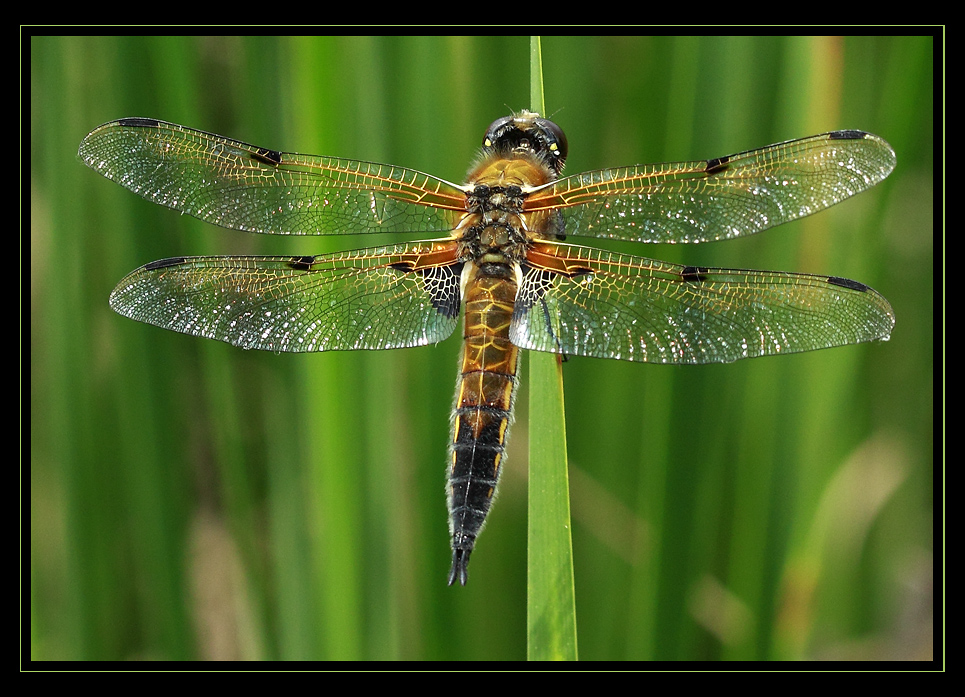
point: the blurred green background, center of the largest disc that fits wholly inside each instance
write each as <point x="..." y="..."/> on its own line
<point x="190" y="500"/>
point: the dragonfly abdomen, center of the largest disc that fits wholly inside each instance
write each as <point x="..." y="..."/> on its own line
<point x="484" y="408"/>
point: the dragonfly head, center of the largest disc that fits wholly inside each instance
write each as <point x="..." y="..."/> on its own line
<point x="527" y="131"/>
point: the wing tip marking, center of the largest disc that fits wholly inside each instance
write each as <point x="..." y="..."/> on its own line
<point x="848" y="283"/>
<point x="848" y="135"/>
<point x="164" y="263"/>
<point x="139" y="122"/>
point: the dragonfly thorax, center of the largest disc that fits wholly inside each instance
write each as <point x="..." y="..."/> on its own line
<point x="494" y="233"/>
<point x="500" y="198"/>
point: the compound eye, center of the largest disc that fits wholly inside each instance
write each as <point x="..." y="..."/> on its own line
<point x="557" y="139"/>
<point x="493" y="133"/>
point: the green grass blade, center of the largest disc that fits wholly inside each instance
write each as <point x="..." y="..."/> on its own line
<point x="551" y="600"/>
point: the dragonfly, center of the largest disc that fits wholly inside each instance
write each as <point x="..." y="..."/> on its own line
<point x="498" y="247"/>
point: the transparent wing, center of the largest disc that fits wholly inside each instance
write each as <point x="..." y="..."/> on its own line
<point x="380" y="298"/>
<point x="587" y="302"/>
<point x="722" y="198"/>
<point x="244" y="187"/>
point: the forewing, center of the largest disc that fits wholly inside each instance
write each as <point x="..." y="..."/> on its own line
<point x="587" y="302"/>
<point x="244" y="187"/>
<point x="718" y="199"/>
<point x="380" y="298"/>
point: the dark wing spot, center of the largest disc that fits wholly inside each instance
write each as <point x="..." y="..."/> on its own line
<point x="441" y="283"/>
<point x="164" y="263"/>
<point x="694" y="274"/>
<point x="846" y="135"/>
<point x="847" y="283"/>
<point x="717" y="165"/>
<point x="303" y="263"/>
<point x="138" y="122"/>
<point x="269" y="157"/>
<point x="536" y="283"/>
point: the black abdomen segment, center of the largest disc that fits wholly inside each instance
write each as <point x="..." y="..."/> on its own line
<point x="477" y="451"/>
